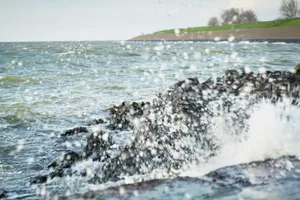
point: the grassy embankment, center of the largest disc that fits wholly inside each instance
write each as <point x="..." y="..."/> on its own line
<point x="267" y="24"/>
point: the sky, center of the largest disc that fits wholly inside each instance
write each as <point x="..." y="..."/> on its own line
<point x="72" y="20"/>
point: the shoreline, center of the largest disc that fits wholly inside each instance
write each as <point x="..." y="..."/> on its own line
<point x="277" y="34"/>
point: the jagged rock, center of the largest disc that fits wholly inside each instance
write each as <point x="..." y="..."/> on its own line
<point x="2" y="193"/>
<point x="155" y="138"/>
<point x="297" y="70"/>
<point x="75" y="131"/>
<point x="65" y="160"/>
<point x="97" y="146"/>
<point x="121" y="117"/>
<point x="96" y="122"/>
<point x="45" y="177"/>
<point x="186" y="112"/>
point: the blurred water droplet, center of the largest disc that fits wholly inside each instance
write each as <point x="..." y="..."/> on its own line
<point x="231" y="39"/>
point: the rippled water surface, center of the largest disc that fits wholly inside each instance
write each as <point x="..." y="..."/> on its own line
<point x="46" y="88"/>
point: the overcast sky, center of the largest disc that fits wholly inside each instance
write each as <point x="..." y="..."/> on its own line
<point x="46" y="20"/>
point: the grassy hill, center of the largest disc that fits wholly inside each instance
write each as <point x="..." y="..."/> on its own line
<point x="267" y="24"/>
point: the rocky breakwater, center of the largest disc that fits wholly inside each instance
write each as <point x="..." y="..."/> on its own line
<point x="176" y="128"/>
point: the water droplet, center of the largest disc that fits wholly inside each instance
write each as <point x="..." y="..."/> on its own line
<point x="20" y="145"/>
<point x="122" y="191"/>
<point x="231" y="38"/>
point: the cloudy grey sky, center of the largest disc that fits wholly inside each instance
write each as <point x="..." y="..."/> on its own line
<point x="46" y="20"/>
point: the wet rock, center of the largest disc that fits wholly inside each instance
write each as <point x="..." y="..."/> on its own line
<point x="58" y="167"/>
<point x="183" y="106"/>
<point x="122" y="116"/>
<point x="66" y="160"/>
<point x="256" y="172"/>
<point x="75" y="131"/>
<point x="97" y="146"/>
<point x="46" y="177"/>
<point x="96" y="122"/>
<point x="2" y="193"/>
<point x="187" y="112"/>
<point x="39" y="179"/>
<point x="129" y="162"/>
<point x="297" y="71"/>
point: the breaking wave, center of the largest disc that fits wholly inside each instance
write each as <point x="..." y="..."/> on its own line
<point x="273" y="132"/>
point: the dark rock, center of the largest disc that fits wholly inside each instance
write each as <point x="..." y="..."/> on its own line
<point x="122" y="116"/>
<point x="297" y="70"/>
<point x="59" y="167"/>
<point x="75" y="131"/>
<point x="97" y="146"/>
<point x="2" y="193"/>
<point x="66" y="160"/>
<point x="46" y="177"/>
<point x="96" y="122"/>
<point x="39" y="179"/>
<point x="186" y="111"/>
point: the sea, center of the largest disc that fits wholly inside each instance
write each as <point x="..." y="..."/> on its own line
<point x="47" y="88"/>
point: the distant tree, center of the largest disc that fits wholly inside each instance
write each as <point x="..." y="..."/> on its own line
<point x="213" y="21"/>
<point x="248" y="16"/>
<point x="231" y="16"/>
<point x="290" y="9"/>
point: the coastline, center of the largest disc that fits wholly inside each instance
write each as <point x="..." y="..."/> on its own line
<point x="277" y="33"/>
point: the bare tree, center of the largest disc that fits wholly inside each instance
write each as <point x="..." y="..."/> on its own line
<point x="248" y="16"/>
<point x="213" y="21"/>
<point x="231" y="16"/>
<point x="290" y="9"/>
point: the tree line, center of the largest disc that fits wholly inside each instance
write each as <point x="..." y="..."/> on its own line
<point x="289" y="9"/>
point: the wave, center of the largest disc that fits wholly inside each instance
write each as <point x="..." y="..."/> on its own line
<point x="272" y="133"/>
<point x="17" y="79"/>
<point x="17" y="115"/>
<point x="282" y="43"/>
<point x="114" y="87"/>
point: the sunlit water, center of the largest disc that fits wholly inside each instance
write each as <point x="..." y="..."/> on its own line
<point x="46" y="88"/>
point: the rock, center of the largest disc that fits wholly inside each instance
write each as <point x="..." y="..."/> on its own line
<point x="75" y="131"/>
<point x="183" y="106"/>
<point x="39" y="179"/>
<point x="297" y="70"/>
<point x="187" y="112"/>
<point x="66" y="160"/>
<point x="2" y="193"/>
<point x="122" y="116"/>
<point x="46" y="177"/>
<point x="96" y="122"/>
<point x="97" y="146"/>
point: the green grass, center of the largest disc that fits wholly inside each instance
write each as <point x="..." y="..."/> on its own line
<point x="268" y="24"/>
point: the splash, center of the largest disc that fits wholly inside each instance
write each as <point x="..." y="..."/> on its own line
<point x="272" y="133"/>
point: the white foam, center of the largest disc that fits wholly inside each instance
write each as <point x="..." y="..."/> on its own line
<point x="281" y="43"/>
<point x="273" y="132"/>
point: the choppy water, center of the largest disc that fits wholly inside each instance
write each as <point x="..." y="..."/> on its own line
<point x="46" y="88"/>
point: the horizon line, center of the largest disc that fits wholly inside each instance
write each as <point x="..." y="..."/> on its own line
<point x="37" y="41"/>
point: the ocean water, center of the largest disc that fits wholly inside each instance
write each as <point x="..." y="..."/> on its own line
<point x="49" y="87"/>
